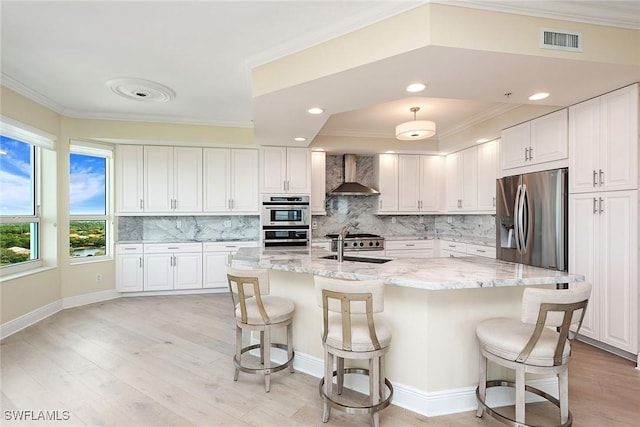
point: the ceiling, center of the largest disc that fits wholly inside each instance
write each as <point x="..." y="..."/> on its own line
<point x="63" y="54"/>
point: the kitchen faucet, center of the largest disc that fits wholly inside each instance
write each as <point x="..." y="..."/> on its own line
<point x="341" y="236"/>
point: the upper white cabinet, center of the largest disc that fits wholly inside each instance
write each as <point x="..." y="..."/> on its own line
<point x="419" y="183"/>
<point x="285" y="170"/>
<point x="230" y="180"/>
<point x="385" y="175"/>
<point x="538" y="141"/>
<point x="603" y="142"/>
<point x="172" y="179"/>
<point x="487" y="175"/>
<point x="461" y="177"/>
<point x="129" y="178"/>
<point x="318" y="183"/>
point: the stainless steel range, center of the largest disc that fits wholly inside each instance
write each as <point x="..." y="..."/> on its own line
<point x="358" y="242"/>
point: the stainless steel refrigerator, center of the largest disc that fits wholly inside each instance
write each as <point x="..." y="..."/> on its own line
<point x="531" y="219"/>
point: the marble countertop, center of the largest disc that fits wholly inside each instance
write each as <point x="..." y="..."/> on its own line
<point x="128" y="242"/>
<point x="483" y="241"/>
<point x="422" y="273"/>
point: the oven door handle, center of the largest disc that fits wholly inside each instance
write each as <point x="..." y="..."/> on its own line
<point x="285" y="207"/>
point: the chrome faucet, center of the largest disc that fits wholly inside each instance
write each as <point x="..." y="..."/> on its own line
<point x="341" y="236"/>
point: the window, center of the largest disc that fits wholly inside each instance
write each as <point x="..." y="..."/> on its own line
<point x="89" y="225"/>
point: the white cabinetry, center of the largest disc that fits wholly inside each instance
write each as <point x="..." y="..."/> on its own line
<point x="462" y="185"/>
<point x="216" y="256"/>
<point x="603" y="246"/>
<point x="419" y="183"/>
<point x="457" y="249"/>
<point x="487" y="175"/>
<point x="409" y="248"/>
<point x="285" y="170"/>
<point x="386" y="181"/>
<point x="603" y="142"/>
<point x="535" y="142"/>
<point x="230" y="180"/>
<point x="129" y="179"/>
<point x="172" y="179"/>
<point x="172" y="266"/>
<point x="129" y="267"/>
<point x="318" y="183"/>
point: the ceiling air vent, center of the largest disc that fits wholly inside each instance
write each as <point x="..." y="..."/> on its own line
<point x="561" y="39"/>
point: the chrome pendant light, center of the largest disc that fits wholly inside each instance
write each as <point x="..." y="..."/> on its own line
<point x="415" y="129"/>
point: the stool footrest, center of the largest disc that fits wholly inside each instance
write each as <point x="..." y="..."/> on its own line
<point x="273" y="368"/>
<point x="508" y="421"/>
<point x="364" y="409"/>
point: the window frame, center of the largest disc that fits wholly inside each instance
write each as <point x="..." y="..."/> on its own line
<point x="37" y="140"/>
<point x="106" y="152"/>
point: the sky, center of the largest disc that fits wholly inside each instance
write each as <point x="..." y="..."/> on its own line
<point x="86" y="186"/>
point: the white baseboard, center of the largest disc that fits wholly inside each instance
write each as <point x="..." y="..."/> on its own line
<point x="85" y="299"/>
<point x="28" y="319"/>
<point x="429" y="404"/>
<point x="175" y="292"/>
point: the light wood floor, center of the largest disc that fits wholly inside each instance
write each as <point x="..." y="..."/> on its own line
<point x="166" y="361"/>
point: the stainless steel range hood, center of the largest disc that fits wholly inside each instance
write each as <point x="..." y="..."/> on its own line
<point x="350" y="187"/>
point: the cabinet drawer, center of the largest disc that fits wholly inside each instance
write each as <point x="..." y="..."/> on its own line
<point x="129" y="248"/>
<point x="227" y="246"/>
<point x="453" y="246"/>
<point x="409" y="253"/>
<point x="408" y="244"/>
<point x="478" y="250"/>
<point x="155" y="248"/>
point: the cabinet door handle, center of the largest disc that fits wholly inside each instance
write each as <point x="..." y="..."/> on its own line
<point x="601" y="173"/>
<point x="601" y="203"/>
<point x="141" y="262"/>
<point x="526" y="154"/>
<point x="595" y="205"/>
<point x="141" y="204"/>
<point x="595" y="178"/>
<point x="530" y="153"/>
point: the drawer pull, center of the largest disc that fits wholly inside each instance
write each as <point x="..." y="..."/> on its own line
<point x="173" y="247"/>
<point x="481" y="250"/>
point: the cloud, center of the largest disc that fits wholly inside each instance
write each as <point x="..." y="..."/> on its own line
<point x="86" y="188"/>
<point x="16" y="195"/>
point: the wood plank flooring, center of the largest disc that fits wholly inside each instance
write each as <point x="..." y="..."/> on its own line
<point x="166" y="361"/>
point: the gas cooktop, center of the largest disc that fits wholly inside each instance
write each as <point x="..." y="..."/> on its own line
<point x="358" y="242"/>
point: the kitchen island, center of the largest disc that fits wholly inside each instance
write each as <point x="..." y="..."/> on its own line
<point x="434" y="305"/>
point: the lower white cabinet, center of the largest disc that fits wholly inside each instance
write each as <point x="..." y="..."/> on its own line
<point x="603" y="246"/>
<point x="216" y="256"/>
<point x="458" y="249"/>
<point x="323" y="244"/>
<point x="172" y="266"/>
<point x="409" y="248"/>
<point x="129" y="267"/>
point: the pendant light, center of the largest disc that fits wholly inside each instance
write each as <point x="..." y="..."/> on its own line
<point x="415" y="129"/>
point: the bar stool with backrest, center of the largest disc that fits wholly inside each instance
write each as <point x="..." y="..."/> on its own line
<point x="539" y="343"/>
<point x="353" y="329"/>
<point x="256" y="310"/>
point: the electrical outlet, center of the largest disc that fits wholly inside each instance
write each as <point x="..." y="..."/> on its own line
<point x="449" y="220"/>
<point x="178" y="223"/>
<point x="227" y="223"/>
<point x="98" y="277"/>
<point x="393" y="220"/>
<point x="421" y="219"/>
<point x="314" y="225"/>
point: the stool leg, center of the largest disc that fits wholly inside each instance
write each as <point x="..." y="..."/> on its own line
<point x="340" y="370"/>
<point x="520" y="415"/>
<point x="238" y="351"/>
<point x="382" y="378"/>
<point x="563" y="393"/>
<point x="265" y="336"/>
<point x="328" y="383"/>
<point x="374" y="387"/>
<point x="482" y="385"/>
<point x="290" y="345"/>
<point x="262" y="347"/>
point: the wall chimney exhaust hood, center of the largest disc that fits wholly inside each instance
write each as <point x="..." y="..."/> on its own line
<point x="350" y="187"/>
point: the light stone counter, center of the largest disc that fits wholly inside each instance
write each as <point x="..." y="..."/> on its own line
<point x="433" y="306"/>
<point x="422" y="273"/>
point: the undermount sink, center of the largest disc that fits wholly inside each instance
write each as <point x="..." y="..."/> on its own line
<point x="358" y="259"/>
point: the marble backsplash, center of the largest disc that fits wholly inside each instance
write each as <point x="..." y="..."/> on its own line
<point x="188" y="228"/>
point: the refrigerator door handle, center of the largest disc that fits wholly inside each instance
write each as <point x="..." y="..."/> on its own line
<point x="516" y="218"/>
<point x="524" y="225"/>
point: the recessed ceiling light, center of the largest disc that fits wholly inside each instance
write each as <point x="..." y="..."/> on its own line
<point x="482" y="140"/>
<point x="318" y="149"/>
<point x="300" y="138"/>
<point x="315" y="110"/>
<point x="538" y="96"/>
<point x="416" y="87"/>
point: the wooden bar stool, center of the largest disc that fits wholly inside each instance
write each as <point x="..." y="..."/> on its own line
<point x="256" y="310"/>
<point x="539" y="343"/>
<point x="351" y="331"/>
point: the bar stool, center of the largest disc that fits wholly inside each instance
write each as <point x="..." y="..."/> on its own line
<point x="539" y="343"/>
<point x="256" y="310"/>
<point x="349" y="332"/>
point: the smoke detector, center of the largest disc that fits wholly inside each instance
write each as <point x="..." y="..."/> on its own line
<point x="141" y="90"/>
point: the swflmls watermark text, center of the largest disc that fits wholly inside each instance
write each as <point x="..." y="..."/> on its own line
<point x="31" y="415"/>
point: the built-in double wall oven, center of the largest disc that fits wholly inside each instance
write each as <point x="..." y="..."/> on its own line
<point x="285" y="220"/>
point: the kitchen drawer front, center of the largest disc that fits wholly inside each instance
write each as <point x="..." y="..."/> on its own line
<point x="453" y="246"/>
<point x="409" y="253"/>
<point x="156" y="248"/>
<point x="478" y="250"/>
<point x="129" y="248"/>
<point x="227" y="246"/>
<point x="392" y="245"/>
